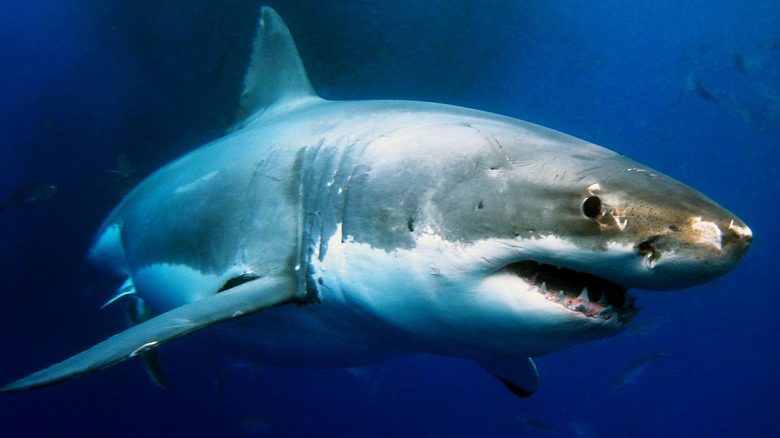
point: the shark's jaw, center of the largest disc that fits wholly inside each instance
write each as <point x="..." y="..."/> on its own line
<point x="579" y="292"/>
<point x="538" y="306"/>
<point x="507" y="297"/>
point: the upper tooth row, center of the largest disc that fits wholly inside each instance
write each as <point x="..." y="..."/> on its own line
<point x="584" y="296"/>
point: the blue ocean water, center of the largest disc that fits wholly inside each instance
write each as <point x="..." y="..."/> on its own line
<point x="86" y="82"/>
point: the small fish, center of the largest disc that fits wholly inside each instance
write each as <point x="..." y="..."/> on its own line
<point x="749" y="63"/>
<point x="771" y="42"/>
<point x="739" y="62"/>
<point x="533" y="424"/>
<point x="258" y="425"/>
<point x="217" y="381"/>
<point x="692" y="86"/>
<point x="29" y="195"/>
<point x="119" y="179"/>
<point x="645" y="327"/>
<point x="359" y="372"/>
<point x="248" y="368"/>
<point x="630" y="375"/>
<point x="582" y="430"/>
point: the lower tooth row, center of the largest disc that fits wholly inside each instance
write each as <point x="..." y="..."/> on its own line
<point x="584" y="295"/>
<point x="605" y="313"/>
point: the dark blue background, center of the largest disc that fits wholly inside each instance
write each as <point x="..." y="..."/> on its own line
<point x="84" y="81"/>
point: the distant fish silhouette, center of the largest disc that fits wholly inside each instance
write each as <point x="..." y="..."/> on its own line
<point x="762" y="114"/>
<point x="536" y="425"/>
<point x="29" y="195"/>
<point x="739" y="62"/>
<point x="217" y="381"/>
<point x="257" y="425"/>
<point x="582" y="430"/>
<point x="631" y="374"/>
<point x="771" y="42"/>
<point x="748" y="63"/>
<point x="645" y="327"/>
<point x="768" y="116"/>
<point x="359" y="372"/>
<point x="692" y="86"/>
<point x="119" y="179"/>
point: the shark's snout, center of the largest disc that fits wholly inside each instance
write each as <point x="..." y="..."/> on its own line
<point x="694" y="252"/>
<point x="663" y="234"/>
<point x="738" y="237"/>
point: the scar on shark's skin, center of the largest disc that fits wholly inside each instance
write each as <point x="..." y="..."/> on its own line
<point x="345" y="233"/>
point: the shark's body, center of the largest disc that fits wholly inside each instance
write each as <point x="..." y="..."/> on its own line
<point x="352" y="232"/>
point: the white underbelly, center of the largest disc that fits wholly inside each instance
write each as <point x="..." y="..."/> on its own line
<point x="331" y="333"/>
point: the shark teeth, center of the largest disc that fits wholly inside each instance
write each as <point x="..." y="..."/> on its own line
<point x="579" y="292"/>
<point x="606" y="313"/>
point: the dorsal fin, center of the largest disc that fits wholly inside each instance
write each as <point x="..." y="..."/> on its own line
<point x="275" y="74"/>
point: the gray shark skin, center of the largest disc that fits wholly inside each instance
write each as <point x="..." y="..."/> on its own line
<point x="338" y="234"/>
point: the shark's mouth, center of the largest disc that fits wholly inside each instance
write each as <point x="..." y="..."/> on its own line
<point x="581" y="292"/>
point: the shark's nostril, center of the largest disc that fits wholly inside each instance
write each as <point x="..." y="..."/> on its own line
<point x="645" y="249"/>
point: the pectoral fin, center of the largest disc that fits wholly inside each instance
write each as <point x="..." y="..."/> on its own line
<point x="247" y="298"/>
<point x="519" y="375"/>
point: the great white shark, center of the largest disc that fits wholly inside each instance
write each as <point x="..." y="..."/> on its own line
<point x="336" y="234"/>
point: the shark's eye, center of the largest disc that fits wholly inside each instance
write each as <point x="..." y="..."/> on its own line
<point x="591" y="207"/>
